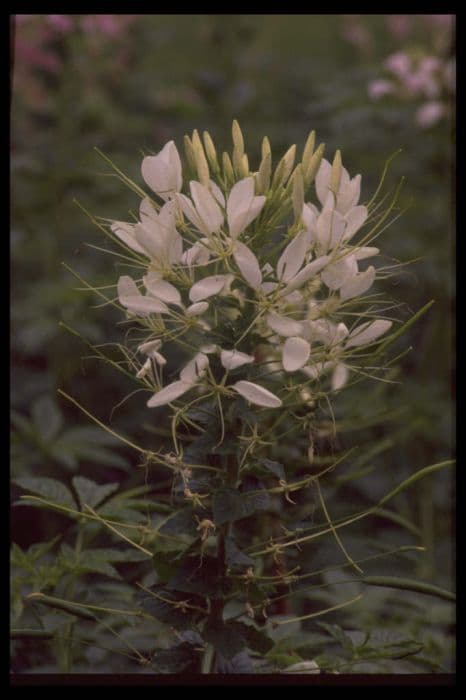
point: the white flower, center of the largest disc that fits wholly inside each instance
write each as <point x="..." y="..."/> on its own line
<point x="242" y="206"/>
<point x="159" y="288"/>
<point x="204" y="211"/>
<point x="349" y="190"/>
<point x="125" y="232"/>
<point x="157" y="235"/>
<point x="169" y="393"/>
<point x="208" y="287"/>
<point x="257" y="394"/>
<point x="131" y="298"/>
<point x="296" y="352"/>
<point x="195" y="369"/>
<point x="231" y="359"/>
<point x="162" y="172"/>
<point x="197" y="309"/>
<point x="367" y="332"/>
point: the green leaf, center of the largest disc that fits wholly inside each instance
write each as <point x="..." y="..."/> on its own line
<point x="239" y="663"/>
<point x="90" y="493"/>
<point x="234" y="557"/>
<point x="169" y="608"/>
<point x="46" y="418"/>
<point x="274" y="467"/>
<point x="178" y="659"/>
<point x="50" y="489"/>
<point x="199" y="575"/>
<point x="226" y="638"/>
<point x="182" y="523"/>
<point x="229" y="505"/>
<point x="256" y="639"/>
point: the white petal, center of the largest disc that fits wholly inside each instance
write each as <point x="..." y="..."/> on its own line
<point x="323" y="180"/>
<point x="150" y="347"/>
<point x="368" y="332"/>
<point x="206" y="206"/>
<point x="207" y="287"/>
<point x="125" y="232"/>
<point x="358" y="284"/>
<point x="348" y="196"/>
<point x="195" y="368"/>
<point x="293" y="256"/>
<point x="143" y="306"/>
<point x="151" y="241"/>
<point x="336" y="274"/>
<point x="248" y="264"/>
<point x="296" y="352"/>
<point x="339" y="376"/>
<point x="365" y="252"/>
<point x="257" y="394"/>
<point x="355" y="218"/>
<point x="242" y="206"/>
<point x="162" y="172"/>
<point x="269" y="287"/>
<point x="309" y="216"/>
<point x="145" y="369"/>
<point x="127" y="287"/>
<point x="159" y="359"/>
<point x="284" y="326"/>
<point x="217" y="192"/>
<point x="231" y="359"/>
<point x="161" y="289"/>
<point x="169" y="393"/>
<point x="310" y="270"/>
<point x="330" y="228"/>
<point x="197" y="309"/>
<point x="191" y="213"/>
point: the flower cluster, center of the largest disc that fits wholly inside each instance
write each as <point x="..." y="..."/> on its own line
<point x="428" y="78"/>
<point x="246" y="274"/>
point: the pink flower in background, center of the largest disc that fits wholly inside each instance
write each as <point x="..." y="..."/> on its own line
<point x="399" y="64"/>
<point x="379" y="88"/>
<point x="399" y="25"/>
<point x="62" y="23"/>
<point x="111" y="25"/>
<point x="429" y="113"/>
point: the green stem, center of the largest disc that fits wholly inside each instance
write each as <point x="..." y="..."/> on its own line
<point x="208" y="659"/>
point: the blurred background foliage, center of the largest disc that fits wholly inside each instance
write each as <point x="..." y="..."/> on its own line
<point x="128" y="83"/>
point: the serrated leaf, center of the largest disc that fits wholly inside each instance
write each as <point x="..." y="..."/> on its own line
<point x="229" y="504"/>
<point x="234" y="557"/>
<point x="50" y="489"/>
<point x="90" y="493"/>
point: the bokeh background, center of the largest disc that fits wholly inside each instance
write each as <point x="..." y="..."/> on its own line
<point x="368" y="84"/>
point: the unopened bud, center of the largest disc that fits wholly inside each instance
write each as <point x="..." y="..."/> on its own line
<point x="308" y="150"/>
<point x="266" y="149"/>
<point x="314" y="165"/>
<point x="202" y="166"/>
<point x="263" y="176"/>
<point x="284" y="167"/>
<point x="228" y="172"/>
<point x="189" y="150"/>
<point x="335" y="175"/>
<point x="298" y="192"/>
<point x="244" y="166"/>
<point x="211" y="152"/>
<point x="238" y="140"/>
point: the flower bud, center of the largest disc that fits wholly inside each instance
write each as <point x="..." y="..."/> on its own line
<point x="211" y="152"/>
<point x="202" y="166"/>
<point x="263" y="176"/>
<point x="284" y="167"/>
<point x="314" y="165"/>
<point x="189" y="151"/>
<point x="298" y="192"/>
<point x="308" y="150"/>
<point x="228" y="173"/>
<point x="335" y="175"/>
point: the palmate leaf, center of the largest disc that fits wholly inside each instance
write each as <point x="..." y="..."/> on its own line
<point x="169" y="606"/>
<point x="50" y="489"/>
<point x="90" y="493"/>
<point x="229" y="504"/>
